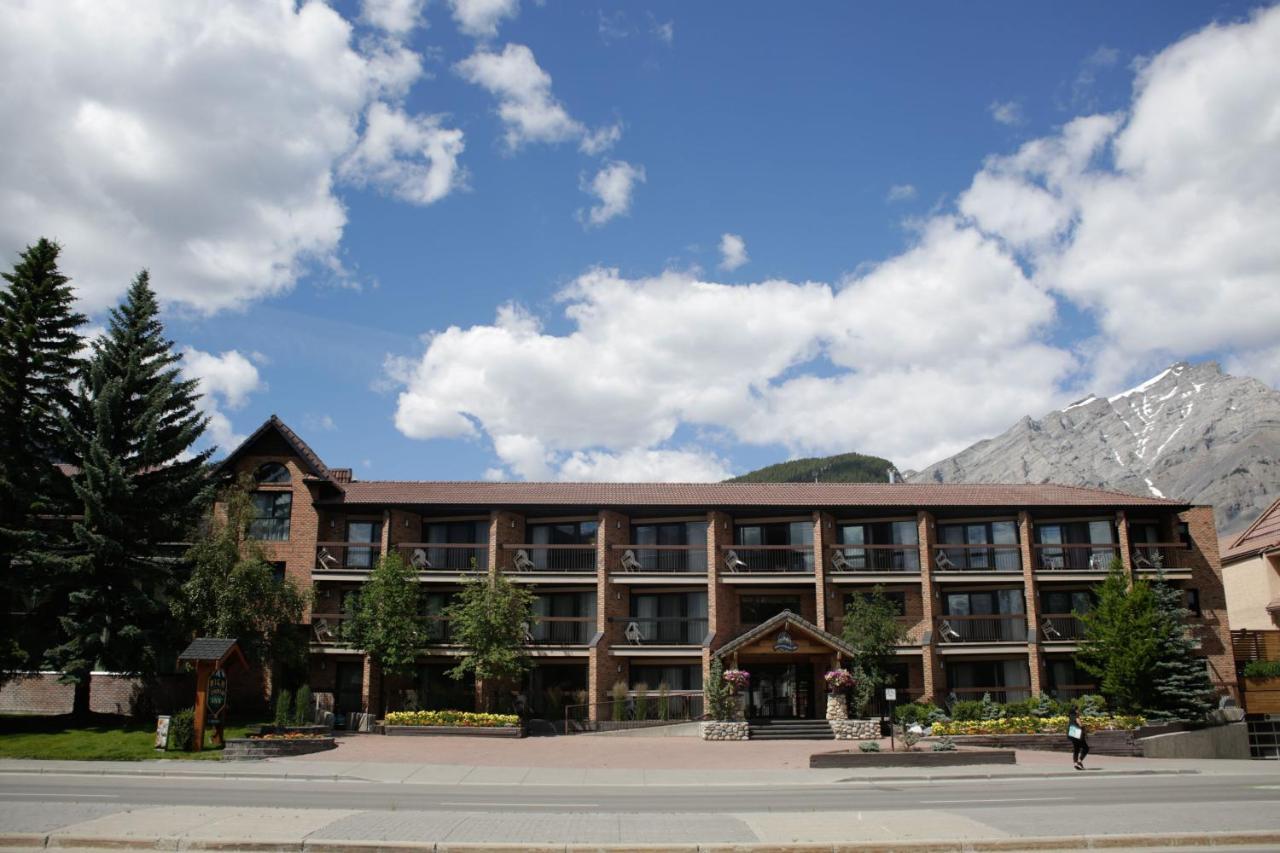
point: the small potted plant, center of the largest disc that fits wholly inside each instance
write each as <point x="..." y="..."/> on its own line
<point x="839" y="684"/>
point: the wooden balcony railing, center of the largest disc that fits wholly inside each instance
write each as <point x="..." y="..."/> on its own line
<point x="874" y="558"/>
<point x="1075" y="558"/>
<point x="1160" y="556"/>
<point x="779" y="559"/>
<point x="1005" y="628"/>
<point x="662" y="630"/>
<point x="445" y="557"/>
<point x="346" y="556"/>
<point x="985" y="557"/>
<point x="562" y="630"/>
<point x="1061" y="627"/>
<point x="550" y="558"/>
<point x="663" y="559"/>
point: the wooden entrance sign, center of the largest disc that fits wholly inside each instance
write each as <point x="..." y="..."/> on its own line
<point x="210" y="655"/>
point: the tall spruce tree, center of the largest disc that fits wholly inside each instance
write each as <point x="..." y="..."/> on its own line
<point x="39" y="346"/>
<point x="1181" y="689"/>
<point x="139" y="488"/>
<point x="1120" y="644"/>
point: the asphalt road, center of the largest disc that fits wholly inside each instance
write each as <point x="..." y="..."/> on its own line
<point x="954" y="796"/>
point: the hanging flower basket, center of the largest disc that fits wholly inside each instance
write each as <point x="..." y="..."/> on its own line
<point x="840" y="680"/>
<point x="737" y="679"/>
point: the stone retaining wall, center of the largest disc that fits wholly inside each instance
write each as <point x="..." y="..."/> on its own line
<point x="855" y="729"/>
<point x="1100" y="743"/>
<point x="714" y="730"/>
<point x="247" y="749"/>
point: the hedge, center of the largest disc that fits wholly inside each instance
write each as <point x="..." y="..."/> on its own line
<point x="1034" y="725"/>
<point x="466" y="719"/>
<point x="1262" y="669"/>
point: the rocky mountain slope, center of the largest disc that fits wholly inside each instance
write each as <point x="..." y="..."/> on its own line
<point x="1192" y="432"/>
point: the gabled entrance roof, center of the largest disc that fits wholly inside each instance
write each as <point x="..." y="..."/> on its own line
<point x="787" y="619"/>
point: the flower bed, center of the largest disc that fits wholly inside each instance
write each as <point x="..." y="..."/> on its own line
<point x="454" y="719"/>
<point x="1034" y="725"/>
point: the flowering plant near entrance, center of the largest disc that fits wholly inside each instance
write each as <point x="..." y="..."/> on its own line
<point x="840" y="680"/>
<point x="738" y="679"/>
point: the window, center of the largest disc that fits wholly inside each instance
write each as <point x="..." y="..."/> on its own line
<point x="1005" y="680"/>
<point x="277" y="571"/>
<point x="432" y="606"/>
<point x="270" y="519"/>
<point x="1064" y="545"/>
<point x="989" y="546"/>
<point x="272" y="473"/>
<point x="563" y="533"/>
<point x="676" y="677"/>
<point x="692" y="535"/>
<point x="904" y="533"/>
<point x="797" y="533"/>
<point x="458" y="533"/>
<point x="564" y="617"/>
<point x="670" y="618"/>
<point x="560" y="559"/>
<point x="989" y="616"/>
<point x="1065" y="680"/>
<point x="1193" y="601"/>
<point x="754" y="609"/>
<point x="1066" y="601"/>
<point x="362" y="555"/>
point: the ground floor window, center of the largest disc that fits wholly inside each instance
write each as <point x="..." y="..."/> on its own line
<point x="675" y="676"/>
<point x="550" y="687"/>
<point x="435" y="690"/>
<point x="1005" y="680"/>
<point x="1064" y="679"/>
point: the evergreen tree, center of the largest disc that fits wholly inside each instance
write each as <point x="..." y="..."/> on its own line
<point x="718" y="698"/>
<point x="1181" y="689"/>
<point x="232" y="591"/>
<point x="490" y="618"/>
<point x="39" y="348"/>
<point x="1120" y="644"/>
<point x="139" y="488"/>
<point x="388" y="625"/>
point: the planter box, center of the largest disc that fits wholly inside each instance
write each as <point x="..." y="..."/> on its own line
<point x="248" y="749"/>
<point x="318" y="731"/>
<point x="958" y="758"/>
<point x="1111" y="742"/>
<point x="1261" y="695"/>
<point x="464" y="731"/>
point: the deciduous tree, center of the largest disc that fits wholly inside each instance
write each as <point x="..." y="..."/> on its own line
<point x="386" y="620"/>
<point x="491" y="617"/>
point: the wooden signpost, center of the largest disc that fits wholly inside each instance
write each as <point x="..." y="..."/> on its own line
<point x="210" y="655"/>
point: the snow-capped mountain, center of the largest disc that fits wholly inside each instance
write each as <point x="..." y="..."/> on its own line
<point x="1192" y="433"/>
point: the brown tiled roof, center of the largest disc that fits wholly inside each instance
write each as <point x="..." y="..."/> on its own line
<point x="1260" y="536"/>
<point x="808" y="495"/>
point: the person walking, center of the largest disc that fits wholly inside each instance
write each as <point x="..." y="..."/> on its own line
<point x="1079" y="743"/>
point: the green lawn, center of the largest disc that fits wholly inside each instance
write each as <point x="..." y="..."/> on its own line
<point x="109" y="740"/>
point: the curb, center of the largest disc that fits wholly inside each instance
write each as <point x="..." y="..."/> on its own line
<point x="953" y="777"/>
<point x="321" y="845"/>
<point x="178" y="774"/>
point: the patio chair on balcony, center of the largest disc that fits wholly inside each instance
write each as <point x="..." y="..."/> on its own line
<point x="1152" y="559"/>
<point x="327" y="561"/>
<point x="521" y="562"/>
<point x="527" y="630"/>
<point x="1051" y="564"/>
<point x="630" y="563"/>
<point x="633" y="633"/>
<point x="419" y="559"/>
<point x="733" y="562"/>
<point x="1050" y="632"/>
<point x="841" y="563"/>
<point x="948" y="633"/>
<point x="324" y="633"/>
<point x="1097" y="563"/>
<point x="943" y="563"/>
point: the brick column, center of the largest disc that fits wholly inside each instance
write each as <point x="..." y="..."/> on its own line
<point x="612" y="602"/>
<point x="1122" y="540"/>
<point x="400" y="526"/>
<point x="1030" y="592"/>
<point x="930" y="659"/>
<point x="1206" y="576"/>
<point x="824" y="534"/>
<point x="505" y="528"/>
<point x="721" y="617"/>
<point x="371" y="691"/>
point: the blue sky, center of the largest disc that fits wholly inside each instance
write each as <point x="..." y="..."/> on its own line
<point x="843" y="144"/>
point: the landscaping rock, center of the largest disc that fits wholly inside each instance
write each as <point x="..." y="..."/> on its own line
<point x="855" y="729"/>
<point x="715" y="730"/>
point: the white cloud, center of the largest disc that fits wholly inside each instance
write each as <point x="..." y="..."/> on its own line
<point x="225" y="382"/>
<point x="733" y="251"/>
<point x="600" y="140"/>
<point x="480" y="18"/>
<point x="613" y="186"/>
<point x="199" y="140"/>
<point x="413" y="158"/>
<point x="665" y="31"/>
<point x="1006" y="112"/>
<point x="397" y="17"/>
<point x="901" y="192"/>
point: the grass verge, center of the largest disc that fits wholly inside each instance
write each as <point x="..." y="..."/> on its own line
<point x="101" y="739"/>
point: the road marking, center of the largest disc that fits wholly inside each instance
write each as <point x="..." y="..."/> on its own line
<point x="63" y="796"/>
<point x="535" y="805"/>
<point x="1000" y="800"/>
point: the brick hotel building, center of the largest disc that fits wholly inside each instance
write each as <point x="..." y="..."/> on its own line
<point x="648" y="582"/>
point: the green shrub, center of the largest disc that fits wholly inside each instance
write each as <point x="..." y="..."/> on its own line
<point x="619" y="694"/>
<point x="967" y="709"/>
<point x="991" y="710"/>
<point x="909" y="738"/>
<point x="664" y="701"/>
<point x="924" y="713"/>
<point x="284" y="709"/>
<point x="182" y="731"/>
<point x="1262" y="669"/>
<point x="1041" y="705"/>
<point x="642" y="701"/>
<point x="944" y="744"/>
<point x="869" y="746"/>
<point x="1091" y="705"/>
<point x="465" y="719"/>
<point x="302" y="714"/>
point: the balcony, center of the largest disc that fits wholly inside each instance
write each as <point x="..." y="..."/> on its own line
<point x="339" y="557"/>
<point x="874" y="559"/>
<point x="550" y="559"/>
<point x="663" y="559"/>
<point x="985" y="557"/>
<point x="1061" y="627"/>
<point x="1004" y="628"/>
<point x="768" y="559"/>
<point x="1165" y="557"/>
<point x="562" y="631"/>
<point x="445" y="557"/>
<point x="1063" y="692"/>
<point x="437" y="630"/>
<point x="663" y="630"/>
<point x="329" y="629"/>
<point x="1087" y="558"/>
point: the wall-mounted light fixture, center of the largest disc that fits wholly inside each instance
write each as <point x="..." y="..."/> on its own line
<point x="619" y="667"/>
<point x="332" y="524"/>
<point x="513" y="524"/>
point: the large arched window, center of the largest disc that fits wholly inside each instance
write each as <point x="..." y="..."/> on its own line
<point x="272" y="473"/>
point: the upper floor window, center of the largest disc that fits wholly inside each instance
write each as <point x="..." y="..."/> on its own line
<point x="270" y="518"/>
<point x="272" y="473"/>
<point x="776" y="536"/>
<point x="890" y="533"/>
<point x="365" y="536"/>
<point x="1080" y="545"/>
<point x="682" y="546"/>
<point x="563" y="533"/>
<point x="988" y="546"/>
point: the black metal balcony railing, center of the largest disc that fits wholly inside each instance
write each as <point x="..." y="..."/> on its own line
<point x="1070" y="691"/>
<point x="875" y="558"/>
<point x="1008" y="628"/>
<point x="437" y="630"/>
<point x="329" y="629"/>
<point x="985" y="557"/>
<point x="1075" y="558"/>
<point x="346" y="556"/>
<point x="781" y="559"/>
<point x="998" y="694"/>
<point x="550" y="558"/>
<point x="663" y="559"/>
<point x="1061" y="627"/>
<point x="663" y="630"/>
<point x="447" y="557"/>
<point x="562" y="630"/>
<point x="1160" y="556"/>
<point x="634" y="712"/>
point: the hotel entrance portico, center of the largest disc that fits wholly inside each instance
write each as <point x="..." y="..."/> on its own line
<point x="786" y="656"/>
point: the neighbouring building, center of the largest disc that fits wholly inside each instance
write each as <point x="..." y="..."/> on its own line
<point x="645" y="583"/>
<point x="1251" y="573"/>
